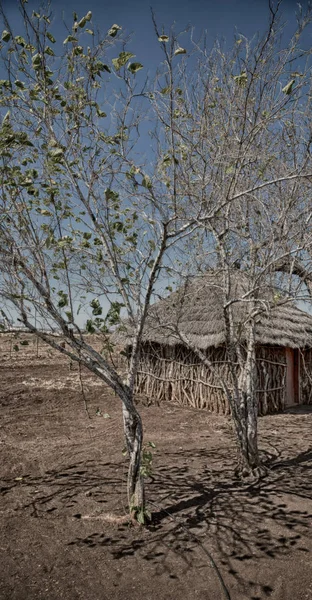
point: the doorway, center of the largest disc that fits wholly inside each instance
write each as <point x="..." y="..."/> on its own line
<point x="292" y="395"/>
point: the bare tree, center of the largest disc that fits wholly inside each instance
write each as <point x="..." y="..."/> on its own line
<point x="237" y="136"/>
<point x="81" y="227"/>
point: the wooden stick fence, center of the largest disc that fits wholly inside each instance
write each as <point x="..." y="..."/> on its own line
<point x="175" y="374"/>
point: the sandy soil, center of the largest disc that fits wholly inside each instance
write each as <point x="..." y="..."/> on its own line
<point x="63" y="473"/>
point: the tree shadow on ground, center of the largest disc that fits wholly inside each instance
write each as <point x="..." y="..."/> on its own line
<point x="198" y="508"/>
<point x="202" y="510"/>
<point x="240" y="522"/>
<point x="66" y="488"/>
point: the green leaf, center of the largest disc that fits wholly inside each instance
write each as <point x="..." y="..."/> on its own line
<point x="49" y="51"/>
<point x="103" y="67"/>
<point x="15" y="348"/>
<point x="167" y="160"/>
<point x="146" y="182"/>
<point x="101" y="113"/>
<point x="63" y="299"/>
<point x="179" y="51"/>
<point x="113" y="314"/>
<point x="19" y="84"/>
<point x="111" y="195"/>
<point x="36" y="61"/>
<point x="20" y="40"/>
<point x="165" y="90"/>
<point x="51" y="37"/>
<point x="119" y="226"/>
<point x="122" y="59"/>
<point x="152" y="245"/>
<point x="6" y="36"/>
<point x="106" y="416"/>
<point x="96" y="307"/>
<point x="84" y="19"/>
<point x="89" y="326"/>
<point x="82" y="22"/>
<point x="78" y="50"/>
<point x="134" y="170"/>
<point x="163" y="38"/>
<point x="24" y="343"/>
<point x="114" y="30"/>
<point x="140" y="517"/>
<point x="241" y="79"/>
<point x="53" y="142"/>
<point x="135" y="67"/>
<point x="56" y="153"/>
<point x="288" y="88"/>
<point x="70" y="38"/>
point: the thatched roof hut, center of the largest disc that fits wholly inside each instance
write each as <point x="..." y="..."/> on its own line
<point x="171" y="370"/>
<point x="197" y="310"/>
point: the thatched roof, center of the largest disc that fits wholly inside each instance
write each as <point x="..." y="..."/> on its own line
<point x="196" y="310"/>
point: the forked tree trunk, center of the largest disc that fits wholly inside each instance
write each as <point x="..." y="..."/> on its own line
<point x="134" y="438"/>
<point x="84" y="354"/>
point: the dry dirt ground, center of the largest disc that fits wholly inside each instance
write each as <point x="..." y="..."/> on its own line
<point x="63" y="473"/>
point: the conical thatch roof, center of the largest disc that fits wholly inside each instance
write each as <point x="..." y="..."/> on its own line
<point x="196" y="310"/>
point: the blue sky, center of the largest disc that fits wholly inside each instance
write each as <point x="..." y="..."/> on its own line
<point x="218" y="17"/>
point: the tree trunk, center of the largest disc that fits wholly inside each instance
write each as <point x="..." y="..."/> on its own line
<point x="245" y="422"/>
<point x="246" y="413"/>
<point x="134" y="438"/>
